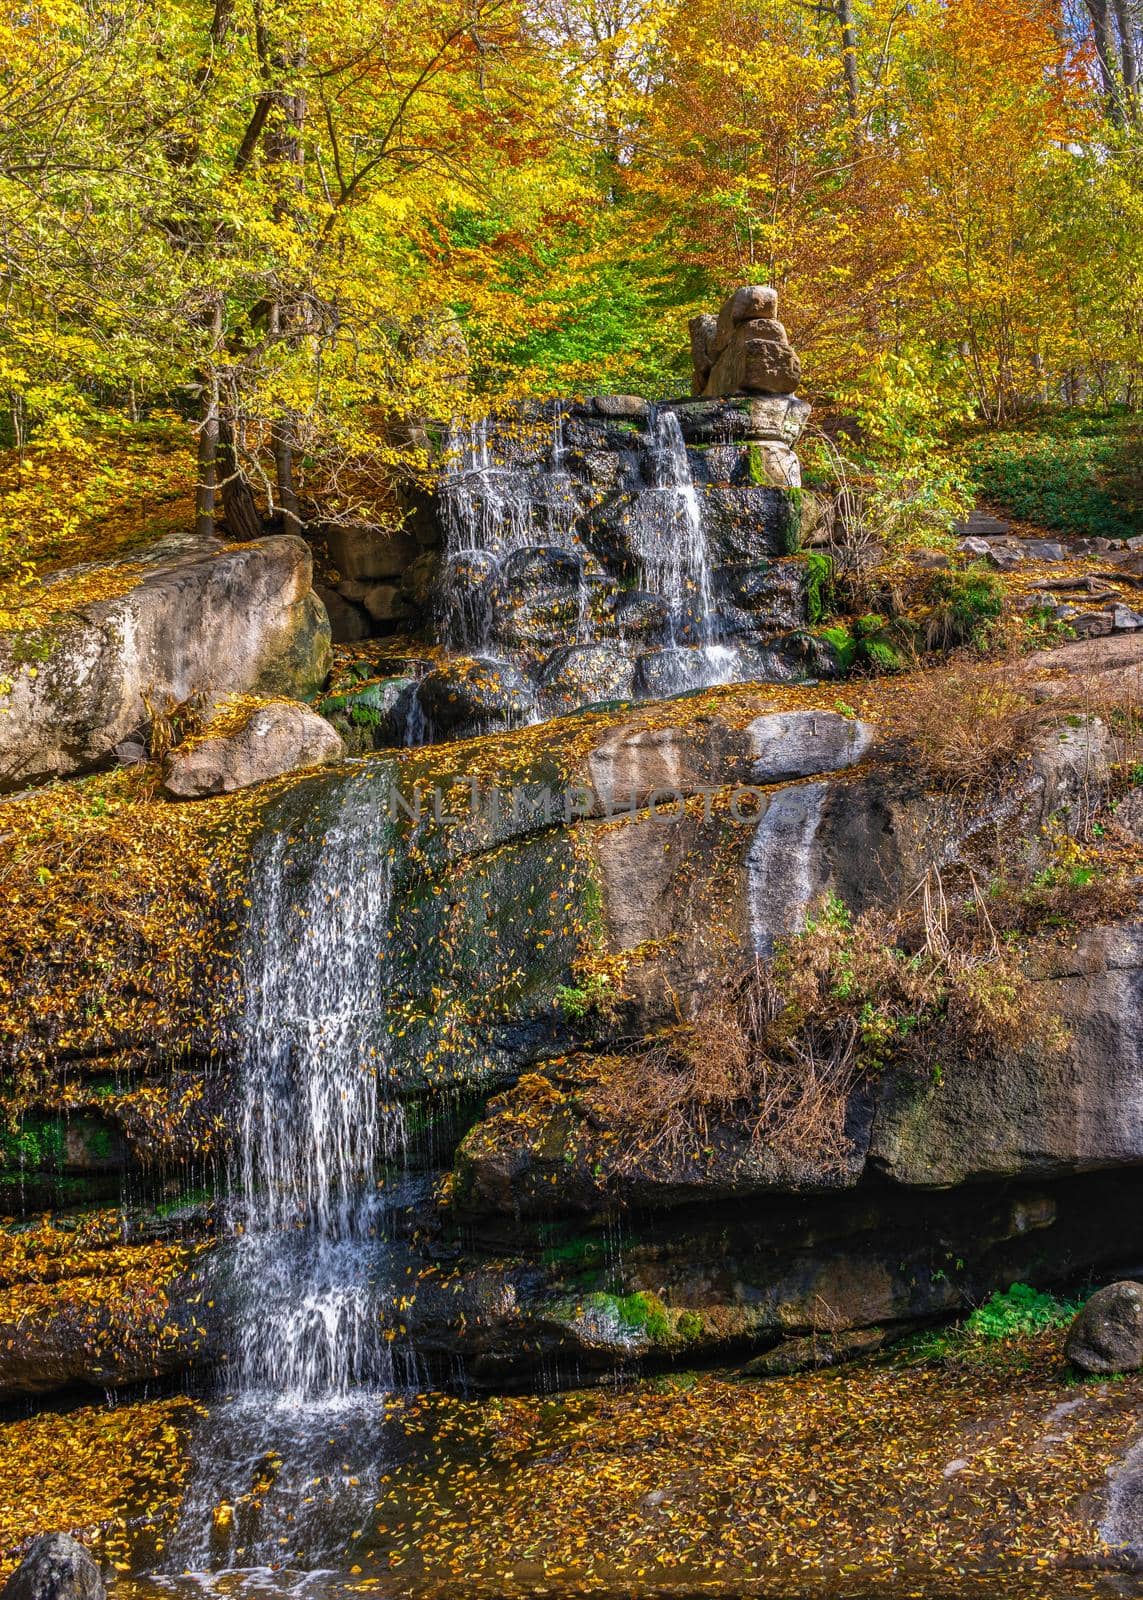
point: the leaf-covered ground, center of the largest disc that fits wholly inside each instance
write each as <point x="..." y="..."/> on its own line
<point x="888" y="1474"/>
<point x="981" y="1474"/>
<point x="110" y="1474"/>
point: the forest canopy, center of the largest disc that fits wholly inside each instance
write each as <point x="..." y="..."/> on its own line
<point x="289" y="228"/>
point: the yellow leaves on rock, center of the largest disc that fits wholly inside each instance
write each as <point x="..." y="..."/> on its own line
<point x="107" y="1474"/>
<point x="109" y="899"/>
<point x="109" y="1291"/>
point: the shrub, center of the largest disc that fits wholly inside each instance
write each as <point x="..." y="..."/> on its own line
<point x="967" y="603"/>
<point x="968" y="725"/>
<point x="1020" y="1310"/>
<point x="1002" y="1333"/>
<point x="777" y="1050"/>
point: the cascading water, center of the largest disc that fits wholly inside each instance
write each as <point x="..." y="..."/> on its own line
<point x="591" y="557"/>
<point x="676" y="566"/>
<point x="675" y="560"/>
<point x="312" y="1131"/>
<point x="493" y="502"/>
<point x="497" y="495"/>
<point x="277" y="1467"/>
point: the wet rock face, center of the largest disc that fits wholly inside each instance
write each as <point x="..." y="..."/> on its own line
<point x="582" y="674"/>
<point x="56" y="1567"/>
<point x="1107" y="1336"/>
<point x="479" y="695"/>
<point x="798" y="1278"/>
<point x="201" y="622"/>
<point x="616" y="524"/>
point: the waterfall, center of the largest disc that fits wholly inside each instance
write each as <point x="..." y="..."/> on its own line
<point x="501" y="490"/>
<point x="311" y="1127"/>
<point x="311" y="1269"/>
<point x="675" y="558"/>
<point x="517" y="495"/>
<point x="675" y="564"/>
<point x="484" y="500"/>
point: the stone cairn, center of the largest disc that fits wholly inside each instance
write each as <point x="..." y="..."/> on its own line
<point x="744" y="350"/>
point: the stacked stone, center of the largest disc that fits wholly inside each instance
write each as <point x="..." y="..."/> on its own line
<point x="744" y="350"/>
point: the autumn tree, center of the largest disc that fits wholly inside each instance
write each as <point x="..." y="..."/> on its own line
<point x="246" y="211"/>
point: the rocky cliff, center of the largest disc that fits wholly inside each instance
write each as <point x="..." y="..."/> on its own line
<point x="554" y="898"/>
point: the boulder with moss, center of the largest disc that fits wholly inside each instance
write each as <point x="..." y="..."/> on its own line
<point x="101" y="652"/>
<point x="1107" y="1335"/>
<point x="56" y="1567"/>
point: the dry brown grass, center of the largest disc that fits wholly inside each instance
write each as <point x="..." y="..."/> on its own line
<point x="972" y="724"/>
<point x="969" y="725"/>
<point x="778" y="1050"/>
<point x="718" y="1068"/>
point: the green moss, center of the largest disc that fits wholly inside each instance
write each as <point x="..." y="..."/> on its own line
<point x="645" y="1312"/>
<point x="98" y="1144"/>
<point x="37" y="1143"/>
<point x="966" y="606"/>
<point x="591" y="904"/>
<point x="795" y="507"/>
<point x="689" y="1326"/>
<point x="843" y="642"/>
<point x="873" y="644"/>
<point x="883" y="656"/>
<point x="363" y="708"/>
<point x="583" y="1250"/>
<point x="819" y="585"/>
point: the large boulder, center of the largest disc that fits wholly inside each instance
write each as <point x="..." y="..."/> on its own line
<point x="798" y="744"/>
<point x="1107" y="1336"/>
<point x="717" y="419"/>
<point x="369" y="551"/>
<point x="184" y="625"/>
<point x="476" y="694"/>
<point x="244" y="745"/>
<point x="747" y="352"/>
<point x="578" y="674"/>
<point x="56" y="1567"/>
<point x="348" y="621"/>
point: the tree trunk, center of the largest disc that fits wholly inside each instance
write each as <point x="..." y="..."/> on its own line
<point x="205" y="489"/>
<point x="243" y="520"/>
<point x="1104" y="49"/>
<point x="284" y="476"/>
<point x="1128" y="57"/>
<point x="849" y="65"/>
